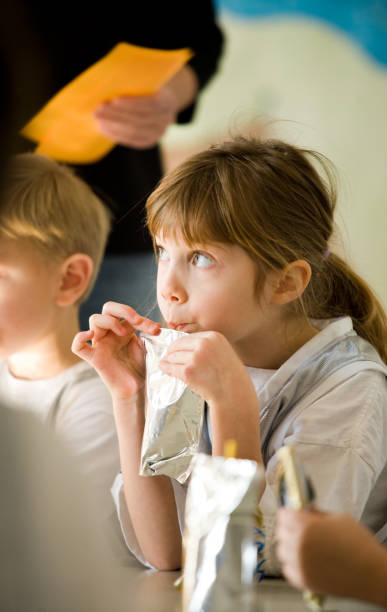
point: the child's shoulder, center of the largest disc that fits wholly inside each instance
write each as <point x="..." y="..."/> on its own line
<point x="336" y="348"/>
<point x="79" y="371"/>
<point x="327" y="389"/>
<point x="82" y="385"/>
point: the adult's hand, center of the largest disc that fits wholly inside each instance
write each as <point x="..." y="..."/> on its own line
<point x="140" y="121"/>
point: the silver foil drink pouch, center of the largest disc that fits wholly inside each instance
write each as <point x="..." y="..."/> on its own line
<point x="174" y="415"/>
<point x="220" y="535"/>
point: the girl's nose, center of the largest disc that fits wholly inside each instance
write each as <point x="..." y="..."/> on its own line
<point x="172" y="289"/>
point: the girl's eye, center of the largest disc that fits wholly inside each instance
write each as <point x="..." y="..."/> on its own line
<point x="162" y="254"/>
<point x="201" y="261"/>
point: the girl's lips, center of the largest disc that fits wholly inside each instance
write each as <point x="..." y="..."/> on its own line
<point x="178" y="326"/>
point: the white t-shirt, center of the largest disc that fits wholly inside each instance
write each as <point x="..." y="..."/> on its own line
<point x="78" y="407"/>
<point x="340" y="434"/>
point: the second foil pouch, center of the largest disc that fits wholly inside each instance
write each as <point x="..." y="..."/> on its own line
<point x="222" y="546"/>
<point x="174" y="415"/>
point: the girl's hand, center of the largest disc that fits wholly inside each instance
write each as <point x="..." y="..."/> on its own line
<point x="207" y="364"/>
<point x="115" y="351"/>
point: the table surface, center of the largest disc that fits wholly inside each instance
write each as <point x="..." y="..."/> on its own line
<point x="149" y="591"/>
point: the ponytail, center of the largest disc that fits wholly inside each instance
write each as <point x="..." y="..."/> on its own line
<point x="339" y="291"/>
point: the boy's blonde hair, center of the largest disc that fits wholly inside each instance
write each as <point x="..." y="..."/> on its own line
<point x="45" y="202"/>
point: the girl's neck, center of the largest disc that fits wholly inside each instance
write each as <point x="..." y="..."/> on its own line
<point x="50" y="356"/>
<point x="275" y="346"/>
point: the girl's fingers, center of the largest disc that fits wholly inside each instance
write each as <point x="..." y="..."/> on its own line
<point x="122" y="311"/>
<point x="192" y="341"/>
<point x="174" y="369"/>
<point x="176" y="357"/>
<point x="80" y="345"/>
<point x="100" y="324"/>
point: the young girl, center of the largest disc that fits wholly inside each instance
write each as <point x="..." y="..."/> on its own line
<point x="285" y="343"/>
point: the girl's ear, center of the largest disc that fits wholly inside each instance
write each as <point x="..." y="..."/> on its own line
<point x="291" y="282"/>
<point x="74" y="278"/>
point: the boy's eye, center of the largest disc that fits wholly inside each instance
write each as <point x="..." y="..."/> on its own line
<point x="201" y="261"/>
<point x="162" y="254"/>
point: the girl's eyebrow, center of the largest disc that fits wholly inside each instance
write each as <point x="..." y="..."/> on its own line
<point x="210" y="247"/>
<point x="206" y="247"/>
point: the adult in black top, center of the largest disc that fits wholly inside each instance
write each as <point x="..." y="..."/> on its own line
<point x="79" y="35"/>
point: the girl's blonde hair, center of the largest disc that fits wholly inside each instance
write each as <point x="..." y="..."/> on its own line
<point x="45" y="202"/>
<point x="268" y="198"/>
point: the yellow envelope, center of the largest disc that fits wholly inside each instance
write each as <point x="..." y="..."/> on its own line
<point x="65" y="127"/>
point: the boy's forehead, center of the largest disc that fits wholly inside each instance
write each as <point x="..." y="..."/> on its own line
<point x="8" y="246"/>
<point x="14" y="250"/>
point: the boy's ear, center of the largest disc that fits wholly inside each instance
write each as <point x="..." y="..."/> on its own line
<point x="291" y="282"/>
<point x="75" y="274"/>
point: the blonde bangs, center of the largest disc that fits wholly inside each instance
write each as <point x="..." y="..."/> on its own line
<point x="25" y="216"/>
<point x="190" y="210"/>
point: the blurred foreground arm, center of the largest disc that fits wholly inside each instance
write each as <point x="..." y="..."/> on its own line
<point x="333" y="554"/>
